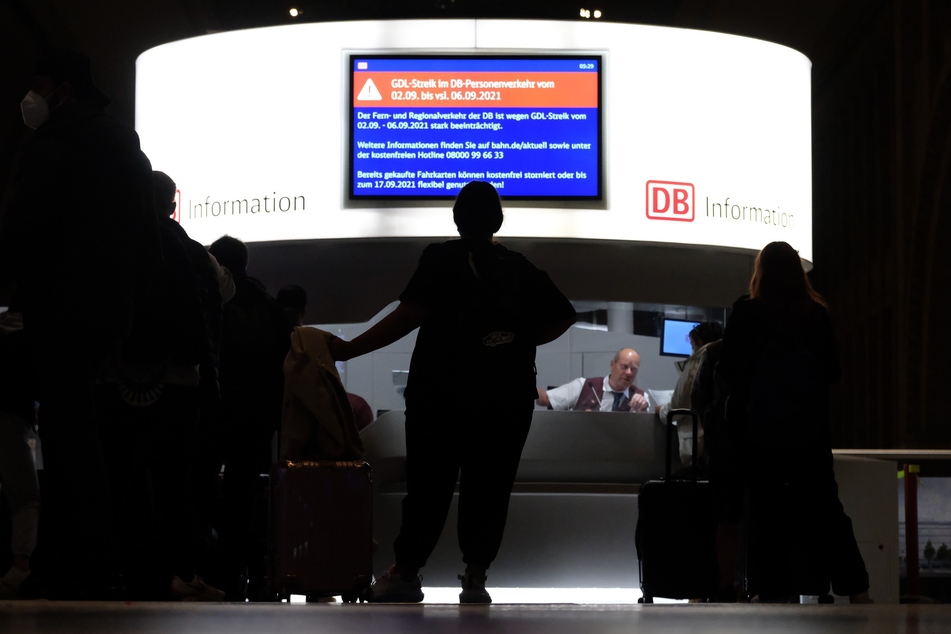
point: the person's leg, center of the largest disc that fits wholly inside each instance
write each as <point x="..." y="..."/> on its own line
<point x="206" y="478"/>
<point x="849" y="576"/>
<point x="208" y="455"/>
<point x="173" y="489"/>
<point x="171" y="479"/>
<point x="837" y="546"/>
<point x="241" y="474"/>
<point x="21" y="488"/>
<point x="729" y="493"/>
<point x="728" y="550"/>
<point x="769" y="540"/>
<point x="492" y="447"/>
<point x="432" y="469"/>
<point x="77" y="501"/>
<point x="128" y="443"/>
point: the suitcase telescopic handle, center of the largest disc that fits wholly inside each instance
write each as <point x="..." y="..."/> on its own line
<point x="670" y="432"/>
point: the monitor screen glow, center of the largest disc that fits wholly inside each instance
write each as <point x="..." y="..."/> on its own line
<point x="674" y="338"/>
<point x="423" y="126"/>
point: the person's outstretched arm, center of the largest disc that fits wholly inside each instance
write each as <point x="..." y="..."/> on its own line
<point x="553" y="330"/>
<point x="402" y="321"/>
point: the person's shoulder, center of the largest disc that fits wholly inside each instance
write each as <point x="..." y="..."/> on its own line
<point x="579" y="381"/>
<point x="193" y="246"/>
<point x="435" y="255"/>
<point x="744" y="302"/>
<point x="747" y="307"/>
<point x="818" y="315"/>
<point x="249" y="290"/>
<point x="442" y="249"/>
<point x="502" y="251"/>
<point x="817" y="309"/>
<point x="94" y="122"/>
<point x="711" y="348"/>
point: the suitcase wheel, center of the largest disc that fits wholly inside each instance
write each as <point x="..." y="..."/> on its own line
<point x="278" y="595"/>
<point x="359" y="591"/>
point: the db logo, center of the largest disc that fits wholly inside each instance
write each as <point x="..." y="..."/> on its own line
<point x="177" y="215"/>
<point x="670" y="201"/>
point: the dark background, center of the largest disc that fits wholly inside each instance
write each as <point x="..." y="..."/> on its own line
<point x="881" y="152"/>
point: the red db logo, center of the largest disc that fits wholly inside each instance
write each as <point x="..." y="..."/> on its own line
<point x="670" y="201"/>
<point x="177" y="215"/>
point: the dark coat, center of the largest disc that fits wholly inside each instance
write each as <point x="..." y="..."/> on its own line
<point x="80" y="234"/>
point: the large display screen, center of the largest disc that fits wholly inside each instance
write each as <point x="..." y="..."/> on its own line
<point x="424" y="126"/>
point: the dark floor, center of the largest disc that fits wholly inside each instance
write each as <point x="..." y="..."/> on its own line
<point x="158" y="618"/>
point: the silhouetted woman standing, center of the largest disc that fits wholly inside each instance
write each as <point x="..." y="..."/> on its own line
<point x="481" y="311"/>
<point x="778" y="360"/>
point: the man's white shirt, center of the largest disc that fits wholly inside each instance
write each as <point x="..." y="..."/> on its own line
<point x="565" y="396"/>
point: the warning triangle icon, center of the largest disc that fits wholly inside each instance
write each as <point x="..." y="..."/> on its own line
<point x="369" y="92"/>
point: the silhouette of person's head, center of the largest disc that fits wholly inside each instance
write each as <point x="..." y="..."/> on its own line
<point x="66" y="66"/>
<point x="163" y="194"/>
<point x="293" y="299"/>
<point x="63" y="77"/>
<point x="477" y="211"/>
<point x="778" y="276"/>
<point x="704" y="333"/>
<point x="232" y="254"/>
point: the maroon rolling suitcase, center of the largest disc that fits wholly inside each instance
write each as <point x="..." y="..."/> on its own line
<point x="320" y="529"/>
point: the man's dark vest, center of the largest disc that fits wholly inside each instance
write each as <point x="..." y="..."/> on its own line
<point x="592" y="392"/>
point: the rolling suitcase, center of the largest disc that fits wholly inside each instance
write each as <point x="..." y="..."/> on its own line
<point x="676" y="532"/>
<point x="320" y="529"/>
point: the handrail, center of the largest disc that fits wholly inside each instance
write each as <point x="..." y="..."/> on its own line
<point x="900" y="455"/>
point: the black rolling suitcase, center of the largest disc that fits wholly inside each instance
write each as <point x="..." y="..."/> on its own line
<point x="676" y="532"/>
<point x="320" y="529"/>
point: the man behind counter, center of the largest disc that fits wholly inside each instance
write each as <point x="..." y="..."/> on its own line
<point x="613" y="393"/>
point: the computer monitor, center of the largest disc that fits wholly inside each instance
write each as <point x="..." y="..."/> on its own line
<point x="674" y="337"/>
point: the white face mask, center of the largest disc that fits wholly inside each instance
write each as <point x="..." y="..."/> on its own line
<point x="34" y="109"/>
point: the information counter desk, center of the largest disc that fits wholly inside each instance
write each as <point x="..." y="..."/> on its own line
<point x="617" y="448"/>
<point x="574" y="507"/>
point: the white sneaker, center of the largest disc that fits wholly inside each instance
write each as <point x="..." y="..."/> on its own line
<point x="195" y="590"/>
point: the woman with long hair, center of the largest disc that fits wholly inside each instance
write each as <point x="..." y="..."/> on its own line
<point x="777" y="363"/>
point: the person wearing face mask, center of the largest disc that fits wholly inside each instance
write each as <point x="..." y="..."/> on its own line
<point x="79" y="244"/>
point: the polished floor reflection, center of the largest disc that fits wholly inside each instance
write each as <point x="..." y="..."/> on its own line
<point x="161" y="618"/>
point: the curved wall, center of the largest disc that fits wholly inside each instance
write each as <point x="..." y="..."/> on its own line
<point x="263" y="115"/>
